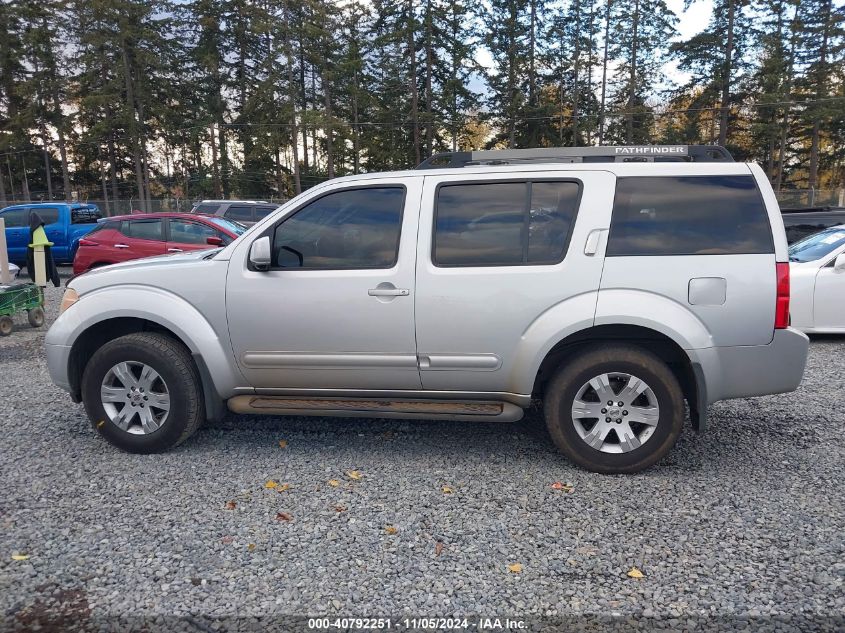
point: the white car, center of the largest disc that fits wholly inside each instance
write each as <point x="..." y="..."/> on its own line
<point x="13" y="271"/>
<point x="817" y="266"/>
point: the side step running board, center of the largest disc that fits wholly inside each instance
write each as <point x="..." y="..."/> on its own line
<point x="377" y="408"/>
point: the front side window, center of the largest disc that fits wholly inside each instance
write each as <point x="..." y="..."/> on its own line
<point x="187" y="232"/>
<point x="504" y="223"/>
<point x="48" y="215"/>
<point x="688" y="215"/>
<point x="350" y="229"/>
<point x="14" y="218"/>
<point x="143" y="229"/>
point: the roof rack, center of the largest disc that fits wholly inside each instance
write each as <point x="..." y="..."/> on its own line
<point x="605" y="154"/>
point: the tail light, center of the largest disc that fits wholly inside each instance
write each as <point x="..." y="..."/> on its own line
<point x="84" y="242"/>
<point x="782" y="301"/>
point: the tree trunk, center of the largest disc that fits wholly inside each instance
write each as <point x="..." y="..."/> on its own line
<point x="821" y="92"/>
<point x="327" y="96"/>
<point x="632" y="80"/>
<point x="604" y="73"/>
<point x="412" y="83"/>
<point x="57" y="112"/>
<point x="215" y="167"/>
<point x="429" y="110"/>
<point x="26" y="195"/>
<point x="47" y="176"/>
<point x="726" y="75"/>
<point x="576" y="88"/>
<point x="784" y="126"/>
<point x="105" y="187"/>
<point x="292" y="88"/>
<point x="3" y="201"/>
<point x="303" y="91"/>
<point x="133" y="125"/>
<point x="113" y="170"/>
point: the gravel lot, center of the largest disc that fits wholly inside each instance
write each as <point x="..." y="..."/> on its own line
<point x="745" y="521"/>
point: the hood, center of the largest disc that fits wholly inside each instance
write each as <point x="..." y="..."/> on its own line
<point x="135" y="270"/>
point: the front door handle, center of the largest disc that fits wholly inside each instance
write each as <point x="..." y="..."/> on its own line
<point x="121" y="246"/>
<point x="388" y="292"/>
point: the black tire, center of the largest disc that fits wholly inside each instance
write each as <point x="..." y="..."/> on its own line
<point x="563" y="388"/>
<point x="35" y="317"/>
<point x="6" y="325"/>
<point x="175" y="366"/>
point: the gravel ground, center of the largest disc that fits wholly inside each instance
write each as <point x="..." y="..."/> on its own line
<point x="745" y="521"/>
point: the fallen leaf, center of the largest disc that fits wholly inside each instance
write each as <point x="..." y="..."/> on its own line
<point x="515" y="568"/>
<point x="227" y="539"/>
<point x="340" y="508"/>
<point x="334" y="483"/>
<point x="196" y="582"/>
<point x="251" y="546"/>
<point x="446" y="490"/>
<point x="354" y="474"/>
<point x="283" y="516"/>
<point x="282" y="487"/>
<point x="565" y="487"/>
<point x="100" y="424"/>
<point x="231" y="505"/>
<point x="390" y="529"/>
<point x="20" y="556"/>
<point x="438" y="548"/>
<point x="283" y="443"/>
<point x="635" y="573"/>
<point x="271" y="484"/>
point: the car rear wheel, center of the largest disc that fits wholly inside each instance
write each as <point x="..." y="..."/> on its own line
<point x="142" y="392"/>
<point x="614" y="409"/>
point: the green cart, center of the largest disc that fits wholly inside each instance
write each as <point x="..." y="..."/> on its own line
<point x="17" y="298"/>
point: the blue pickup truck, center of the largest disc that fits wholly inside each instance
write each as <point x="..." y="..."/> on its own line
<point x="64" y="224"/>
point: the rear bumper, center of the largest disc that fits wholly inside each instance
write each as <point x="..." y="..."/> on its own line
<point x="753" y="370"/>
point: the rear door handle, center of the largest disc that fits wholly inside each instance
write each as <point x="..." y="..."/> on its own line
<point x="175" y="250"/>
<point x="388" y="292"/>
<point x="121" y="246"/>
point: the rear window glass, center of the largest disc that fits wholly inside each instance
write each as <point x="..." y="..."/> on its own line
<point x="688" y="215"/>
<point x="239" y="213"/>
<point x="85" y="215"/>
<point x="143" y="229"/>
<point x="504" y="223"/>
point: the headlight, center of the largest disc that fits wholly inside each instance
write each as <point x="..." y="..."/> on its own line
<point x="68" y="299"/>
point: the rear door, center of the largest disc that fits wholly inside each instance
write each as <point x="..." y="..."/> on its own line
<point x="187" y="235"/>
<point x="494" y="254"/>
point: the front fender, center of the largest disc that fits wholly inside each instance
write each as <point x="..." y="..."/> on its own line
<point x="653" y="311"/>
<point x="158" y="306"/>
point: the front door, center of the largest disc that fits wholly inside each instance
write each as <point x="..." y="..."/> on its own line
<point x="829" y="300"/>
<point x="336" y="309"/>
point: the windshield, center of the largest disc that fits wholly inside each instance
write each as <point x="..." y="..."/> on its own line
<point x="818" y="245"/>
<point x="235" y="227"/>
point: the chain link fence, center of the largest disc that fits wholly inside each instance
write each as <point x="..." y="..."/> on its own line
<point x="797" y="198"/>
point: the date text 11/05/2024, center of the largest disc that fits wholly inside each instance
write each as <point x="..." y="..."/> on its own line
<point x="412" y="624"/>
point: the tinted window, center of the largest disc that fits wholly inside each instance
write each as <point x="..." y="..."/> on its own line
<point x="817" y="246"/>
<point x="15" y="218"/>
<point x="48" y="215"/>
<point x="85" y="215"/>
<point x="263" y="212"/>
<point x="207" y="208"/>
<point x="187" y="232"/>
<point x="688" y="215"/>
<point x="143" y="229"/>
<point x="357" y="228"/>
<point x="239" y="213"/>
<point x="500" y="224"/>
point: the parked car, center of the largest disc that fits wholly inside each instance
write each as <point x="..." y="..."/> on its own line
<point x="121" y="238"/>
<point x="800" y="223"/>
<point x="247" y="212"/>
<point x="14" y="271"/>
<point x="818" y="282"/>
<point x="64" y="223"/>
<point x="384" y="295"/>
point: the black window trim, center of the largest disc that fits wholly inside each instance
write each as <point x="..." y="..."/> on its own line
<point x="528" y="182"/>
<point x="271" y="230"/>
<point x="756" y="188"/>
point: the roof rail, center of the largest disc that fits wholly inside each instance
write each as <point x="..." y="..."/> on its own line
<point x="605" y="154"/>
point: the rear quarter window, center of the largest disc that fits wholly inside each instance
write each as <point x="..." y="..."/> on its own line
<point x="688" y="215"/>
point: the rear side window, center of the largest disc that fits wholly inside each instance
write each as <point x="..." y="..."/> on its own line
<point x="504" y="223"/>
<point x="143" y="229"/>
<point x="689" y="215"/>
<point x="85" y="215"/>
<point x="206" y="208"/>
<point x="239" y="213"/>
<point x="263" y="212"/>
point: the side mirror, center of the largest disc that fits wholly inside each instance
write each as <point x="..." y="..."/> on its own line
<point x="839" y="264"/>
<point x="214" y="240"/>
<point x="259" y="253"/>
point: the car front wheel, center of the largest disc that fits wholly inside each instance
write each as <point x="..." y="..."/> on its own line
<point x="142" y="392"/>
<point x="614" y="409"/>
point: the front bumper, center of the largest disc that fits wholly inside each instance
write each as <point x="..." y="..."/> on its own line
<point x="753" y="370"/>
<point x="57" y="364"/>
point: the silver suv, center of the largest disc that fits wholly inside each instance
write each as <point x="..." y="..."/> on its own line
<point x="612" y="284"/>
